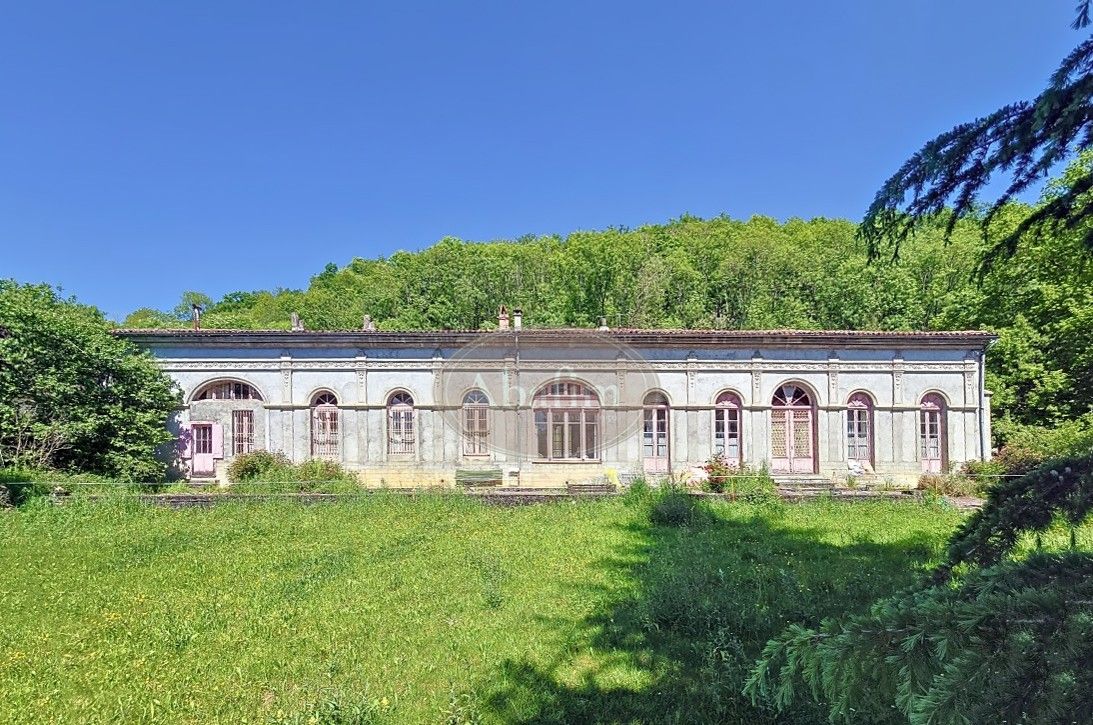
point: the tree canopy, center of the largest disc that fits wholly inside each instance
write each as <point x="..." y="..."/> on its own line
<point x="74" y="396"/>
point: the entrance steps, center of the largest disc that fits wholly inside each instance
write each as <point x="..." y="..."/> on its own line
<point x="590" y="488"/>
<point x="802" y="485"/>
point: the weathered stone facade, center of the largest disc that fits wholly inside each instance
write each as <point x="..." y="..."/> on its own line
<point x="624" y="376"/>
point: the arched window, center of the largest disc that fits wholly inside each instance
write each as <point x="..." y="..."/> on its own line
<point x="859" y="428"/>
<point x="228" y="390"/>
<point x="655" y="433"/>
<point x="792" y="430"/>
<point x="476" y="407"/>
<point x="567" y="421"/>
<point x="325" y="440"/>
<point x="400" y="424"/>
<point x="726" y="428"/>
<point x="931" y="433"/>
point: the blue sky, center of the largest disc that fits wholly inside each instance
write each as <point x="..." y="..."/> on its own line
<point x="147" y="148"/>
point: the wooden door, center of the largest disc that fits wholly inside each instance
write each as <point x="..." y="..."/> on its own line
<point x="203" y="461"/>
<point x="792" y="431"/>
<point x="931" y="451"/>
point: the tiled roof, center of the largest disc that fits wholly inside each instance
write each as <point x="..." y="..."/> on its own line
<point x="434" y="337"/>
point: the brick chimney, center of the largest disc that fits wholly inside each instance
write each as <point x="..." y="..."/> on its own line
<point x="503" y="318"/>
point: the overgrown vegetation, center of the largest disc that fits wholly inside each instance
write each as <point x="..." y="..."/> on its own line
<point x="73" y="397"/>
<point x="266" y="472"/>
<point x="420" y="609"/>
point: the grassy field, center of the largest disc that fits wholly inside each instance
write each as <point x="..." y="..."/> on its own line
<point x="426" y="609"/>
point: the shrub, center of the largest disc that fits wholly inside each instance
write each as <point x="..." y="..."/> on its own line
<point x="268" y="472"/>
<point x="256" y="466"/>
<point x="949" y="484"/>
<point x="753" y="485"/>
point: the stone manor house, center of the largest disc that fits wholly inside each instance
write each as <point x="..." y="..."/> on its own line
<point x="546" y="407"/>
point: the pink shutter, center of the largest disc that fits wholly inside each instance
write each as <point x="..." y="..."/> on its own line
<point x="218" y="440"/>
<point x="185" y="441"/>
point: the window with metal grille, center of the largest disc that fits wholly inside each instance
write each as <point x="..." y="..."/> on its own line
<point x="567" y="422"/>
<point x="400" y="424"/>
<point x="726" y="427"/>
<point x="325" y="439"/>
<point x="242" y="431"/>
<point x="475" y="423"/>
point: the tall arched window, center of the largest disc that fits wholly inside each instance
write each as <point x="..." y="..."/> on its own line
<point x="791" y="430"/>
<point x="567" y="422"/>
<point x="931" y="433"/>
<point x="325" y="439"/>
<point x="726" y="428"/>
<point x="859" y="428"/>
<point x="654" y="442"/>
<point x="476" y="407"/>
<point x="401" y="436"/>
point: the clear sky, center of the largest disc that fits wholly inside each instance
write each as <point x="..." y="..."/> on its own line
<point x="147" y="148"/>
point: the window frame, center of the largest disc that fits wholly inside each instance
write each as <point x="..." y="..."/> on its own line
<point x="567" y="422"/>
<point x="475" y="423"/>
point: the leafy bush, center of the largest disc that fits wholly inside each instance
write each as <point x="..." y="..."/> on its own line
<point x="1027" y="446"/>
<point x="753" y="485"/>
<point x="268" y="472"/>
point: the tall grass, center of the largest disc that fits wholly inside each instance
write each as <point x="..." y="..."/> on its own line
<point x="428" y="608"/>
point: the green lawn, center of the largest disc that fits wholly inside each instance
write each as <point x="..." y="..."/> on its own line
<point x="426" y="609"/>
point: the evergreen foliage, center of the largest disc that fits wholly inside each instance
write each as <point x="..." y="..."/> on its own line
<point x="1022" y="142"/>
<point x="987" y="638"/>
<point x="72" y="395"/>
<point x="1012" y="643"/>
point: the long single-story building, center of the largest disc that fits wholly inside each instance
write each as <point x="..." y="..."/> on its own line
<point x="543" y="407"/>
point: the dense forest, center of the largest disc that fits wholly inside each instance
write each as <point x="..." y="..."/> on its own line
<point x="727" y="274"/>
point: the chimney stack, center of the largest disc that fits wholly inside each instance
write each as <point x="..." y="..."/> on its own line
<point x="195" y="311"/>
<point x="368" y="325"/>
<point x="517" y="318"/>
<point x="297" y="323"/>
<point x="502" y="318"/>
<point x="603" y="324"/>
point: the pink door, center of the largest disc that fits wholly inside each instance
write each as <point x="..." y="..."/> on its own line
<point x="791" y="431"/>
<point x="205" y="447"/>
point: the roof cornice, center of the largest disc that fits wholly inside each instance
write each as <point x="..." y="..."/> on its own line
<point x="647" y="338"/>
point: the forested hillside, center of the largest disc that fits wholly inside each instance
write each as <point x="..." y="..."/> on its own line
<point x="726" y="274"/>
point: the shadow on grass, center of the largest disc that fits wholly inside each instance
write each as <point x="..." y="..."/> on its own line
<point x="677" y="647"/>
